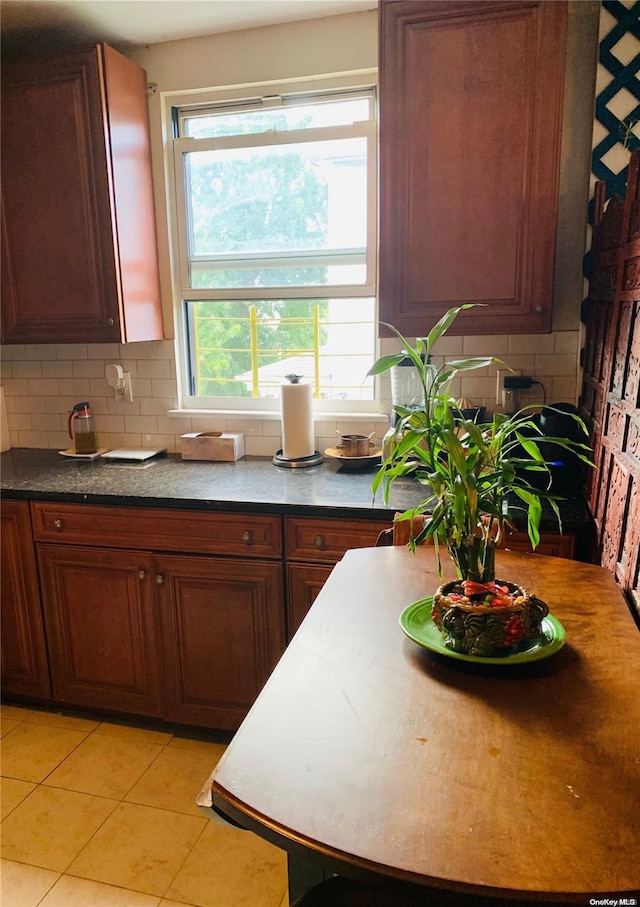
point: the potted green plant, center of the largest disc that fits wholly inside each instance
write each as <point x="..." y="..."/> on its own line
<point x="470" y="469"/>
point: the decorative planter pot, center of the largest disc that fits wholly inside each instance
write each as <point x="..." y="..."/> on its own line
<point x="486" y="620"/>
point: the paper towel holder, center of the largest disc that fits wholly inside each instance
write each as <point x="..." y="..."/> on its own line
<point x="313" y="460"/>
<point x="279" y="458"/>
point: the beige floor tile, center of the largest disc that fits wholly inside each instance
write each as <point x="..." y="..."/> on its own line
<point x="50" y="827"/>
<point x="193" y="743"/>
<point x="22" y="885"/>
<point x="14" y="712"/>
<point x="59" y="719"/>
<point x="12" y="792"/>
<point x="174" y="780"/>
<point x="7" y="725"/>
<point x="231" y="867"/>
<point x="106" y="766"/>
<point x="139" y="847"/>
<point x="31" y="751"/>
<point x="131" y="732"/>
<point x="73" y="892"/>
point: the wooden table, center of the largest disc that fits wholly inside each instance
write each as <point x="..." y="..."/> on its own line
<point x="385" y="760"/>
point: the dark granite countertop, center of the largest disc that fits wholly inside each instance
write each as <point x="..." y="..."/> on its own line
<point x="252" y="484"/>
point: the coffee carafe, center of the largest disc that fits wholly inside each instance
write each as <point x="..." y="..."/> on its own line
<point x="81" y="429"/>
<point x="406" y="386"/>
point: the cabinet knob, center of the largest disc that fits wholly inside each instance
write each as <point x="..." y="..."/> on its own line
<point x="159" y="579"/>
<point x="320" y="543"/>
<point x="142" y="575"/>
<point x="246" y="537"/>
<point x="110" y="322"/>
<point x="58" y="525"/>
<point x="539" y="309"/>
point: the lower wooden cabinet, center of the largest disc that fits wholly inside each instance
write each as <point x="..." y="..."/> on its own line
<point x="313" y="545"/>
<point x="304" y="582"/>
<point x="222" y="625"/>
<point x="103" y="629"/>
<point x="25" y="669"/>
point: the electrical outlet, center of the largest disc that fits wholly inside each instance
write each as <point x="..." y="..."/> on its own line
<point x="500" y="382"/>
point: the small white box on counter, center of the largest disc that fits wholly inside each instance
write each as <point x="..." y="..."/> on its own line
<point x="212" y="445"/>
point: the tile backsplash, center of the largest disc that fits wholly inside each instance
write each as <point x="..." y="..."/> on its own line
<point x="42" y="382"/>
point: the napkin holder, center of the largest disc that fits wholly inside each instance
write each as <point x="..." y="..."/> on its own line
<point x="212" y="445"/>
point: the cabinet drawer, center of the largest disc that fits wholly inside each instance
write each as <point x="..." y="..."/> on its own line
<point x="327" y="540"/>
<point x="194" y="532"/>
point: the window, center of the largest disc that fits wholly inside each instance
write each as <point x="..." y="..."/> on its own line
<point x="275" y="235"/>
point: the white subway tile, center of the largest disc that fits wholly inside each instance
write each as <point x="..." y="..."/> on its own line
<point x="27" y="404"/>
<point x="6" y="369"/>
<point x="39" y="351"/>
<point x="123" y="407"/>
<point x="564" y="390"/>
<point x="16" y="387"/>
<point x="208" y="423"/>
<point x="136" y="351"/>
<point x="163" y="349"/>
<point x="154" y="368"/>
<point x="163" y="388"/>
<point x="531" y="343"/>
<point x="249" y="427"/>
<point x="27" y="369"/>
<point x="32" y="439"/>
<point x="141" y="424"/>
<point x="107" y="351"/>
<point x="59" y="440"/>
<point x="98" y="387"/>
<point x="57" y="368"/>
<point x="15" y="352"/>
<point x="20" y="421"/>
<point x="129" y="365"/>
<point x="142" y="387"/>
<point x="485" y="345"/>
<point x="156" y="406"/>
<point x="556" y="365"/>
<point x="49" y="423"/>
<point x="110" y="423"/>
<point x="159" y="441"/>
<point x="566" y="342"/>
<point x="89" y="368"/>
<point x="175" y="425"/>
<point x="46" y="387"/>
<point x="125" y="439"/>
<point x="71" y="351"/>
<point x="260" y="446"/>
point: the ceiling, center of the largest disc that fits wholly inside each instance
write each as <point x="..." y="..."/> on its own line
<point x="31" y="26"/>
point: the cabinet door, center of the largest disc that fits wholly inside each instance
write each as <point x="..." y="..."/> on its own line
<point x="24" y="661"/>
<point x="304" y="582"/>
<point x="222" y="631"/>
<point x="470" y="116"/>
<point x="79" y="262"/>
<point x="103" y="633"/>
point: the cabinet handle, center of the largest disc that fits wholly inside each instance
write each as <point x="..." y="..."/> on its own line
<point x="159" y="579"/>
<point x="320" y="543"/>
<point x="246" y="537"/>
<point x="142" y="575"/>
<point x="58" y="525"/>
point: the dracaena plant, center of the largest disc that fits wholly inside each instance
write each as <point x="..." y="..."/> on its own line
<point x="469" y="467"/>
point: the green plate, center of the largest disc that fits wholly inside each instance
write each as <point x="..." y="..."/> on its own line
<point x="416" y="622"/>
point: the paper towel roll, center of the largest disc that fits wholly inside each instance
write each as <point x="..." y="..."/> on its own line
<point x="5" y="443"/>
<point x="297" y="420"/>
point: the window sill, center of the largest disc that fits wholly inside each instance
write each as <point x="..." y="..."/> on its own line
<point x="272" y="415"/>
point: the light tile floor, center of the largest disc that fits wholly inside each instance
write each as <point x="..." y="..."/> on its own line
<point x="101" y="814"/>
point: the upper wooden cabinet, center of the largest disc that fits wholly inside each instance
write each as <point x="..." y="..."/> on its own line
<point x="470" y="122"/>
<point x="79" y="256"/>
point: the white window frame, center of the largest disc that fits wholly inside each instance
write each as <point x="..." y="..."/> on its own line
<point x="175" y="148"/>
